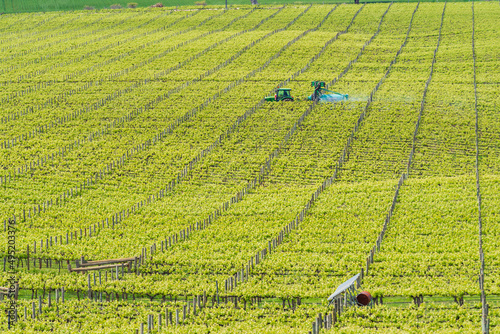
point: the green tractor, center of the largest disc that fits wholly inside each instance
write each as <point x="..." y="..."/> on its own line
<point x="282" y="94"/>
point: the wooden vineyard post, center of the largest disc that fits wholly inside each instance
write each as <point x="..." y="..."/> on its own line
<point x="217" y="291"/>
<point x="89" y="290"/>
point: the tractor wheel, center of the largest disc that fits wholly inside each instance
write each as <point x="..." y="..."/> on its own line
<point x="287" y="99"/>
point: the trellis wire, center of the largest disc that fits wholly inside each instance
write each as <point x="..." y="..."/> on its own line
<point x="118" y="217"/>
<point x="104" y="130"/>
<point x="485" y="323"/>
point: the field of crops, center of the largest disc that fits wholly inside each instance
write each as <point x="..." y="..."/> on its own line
<point x="144" y="133"/>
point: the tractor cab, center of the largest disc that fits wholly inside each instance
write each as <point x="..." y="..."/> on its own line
<point x="282" y="94"/>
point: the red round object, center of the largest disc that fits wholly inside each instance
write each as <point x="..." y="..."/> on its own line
<point x="364" y="298"/>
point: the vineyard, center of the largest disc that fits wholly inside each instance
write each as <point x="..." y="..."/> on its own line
<point x="143" y="136"/>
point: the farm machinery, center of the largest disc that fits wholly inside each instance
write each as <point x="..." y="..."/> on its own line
<point x="320" y="94"/>
<point x="281" y="94"/>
